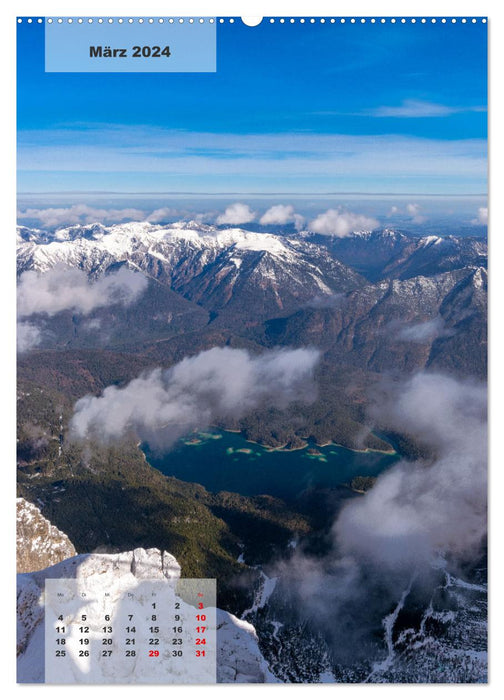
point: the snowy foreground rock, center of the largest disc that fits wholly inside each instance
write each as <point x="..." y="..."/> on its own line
<point x="238" y="657"/>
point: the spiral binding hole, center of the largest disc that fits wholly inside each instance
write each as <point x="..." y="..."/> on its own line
<point x="254" y="21"/>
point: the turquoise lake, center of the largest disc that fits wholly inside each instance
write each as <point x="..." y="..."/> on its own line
<point x="225" y="461"/>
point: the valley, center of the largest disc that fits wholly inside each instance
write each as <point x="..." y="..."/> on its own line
<point x="245" y="491"/>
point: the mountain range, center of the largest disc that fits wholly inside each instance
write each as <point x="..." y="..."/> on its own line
<point x="374" y="304"/>
<point x="246" y="277"/>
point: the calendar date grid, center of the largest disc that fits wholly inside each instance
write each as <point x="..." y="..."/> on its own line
<point x="152" y="633"/>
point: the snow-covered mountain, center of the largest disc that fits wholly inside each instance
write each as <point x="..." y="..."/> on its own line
<point x="394" y="324"/>
<point x="237" y="269"/>
<point x="439" y="636"/>
<point x="214" y="267"/>
<point x="371" y="302"/>
<point x="238" y="657"/>
<point x="388" y="253"/>
<point x="379" y="299"/>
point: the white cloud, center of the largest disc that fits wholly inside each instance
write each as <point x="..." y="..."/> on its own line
<point x="419" y="511"/>
<point x="79" y="214"/>
<point x="419" y="108"/>
<point x="327" y="301"/>
<point x="236" y="214"/>
<point x="414" y="211"/>
<point x="63" y="288"/>
<point x="161" y="405"/>
<point x="28" y="336"/>
<point x="289" y="161"/>
<point x="161" y="215"/>
<point x="419" y="518"/>
<point x="93" y="324"/>
<point x="282" y="214"/>
<point x="335" y="222"/>
<point x="424" y="331"/>
<point x="482" y="219"/>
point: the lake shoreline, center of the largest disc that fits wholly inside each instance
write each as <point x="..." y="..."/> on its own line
<point x="284" y="448"/>
<point x="222" y="460"/>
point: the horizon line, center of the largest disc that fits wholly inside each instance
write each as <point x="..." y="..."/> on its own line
<point x="256" y="194"/>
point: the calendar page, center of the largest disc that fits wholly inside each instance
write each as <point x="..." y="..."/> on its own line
<point x="97" y="635"/>
<point x="251" y="349"/>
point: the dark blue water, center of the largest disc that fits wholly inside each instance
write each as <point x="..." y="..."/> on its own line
<point x="223" y="461"/>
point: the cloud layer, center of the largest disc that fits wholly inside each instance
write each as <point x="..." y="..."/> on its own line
<point x="418" y="512"/>
<point x="414" y="211"/>
<point x="27" y="336"/>
<point x="162" y="215"/>
<point x="415" y="109"/>
<point x="162" y="405"/>
<point x="53" y="217"/>
<point x="418" y="518"/>
<point x="236" y="214"/>
<point x="63" y="288"/>
<point x="282" y="214"/>
<point x="424" y="331"/>
<point x="335" y="222"/>
<point x="286" y="162"/>
<point x="411" y="210"/>
<point x="482" y="219"/>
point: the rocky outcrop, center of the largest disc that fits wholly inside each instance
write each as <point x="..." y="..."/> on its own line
<point x="39" y="543"/>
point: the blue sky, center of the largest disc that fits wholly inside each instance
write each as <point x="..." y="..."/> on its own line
<point x="292" y="108"/>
